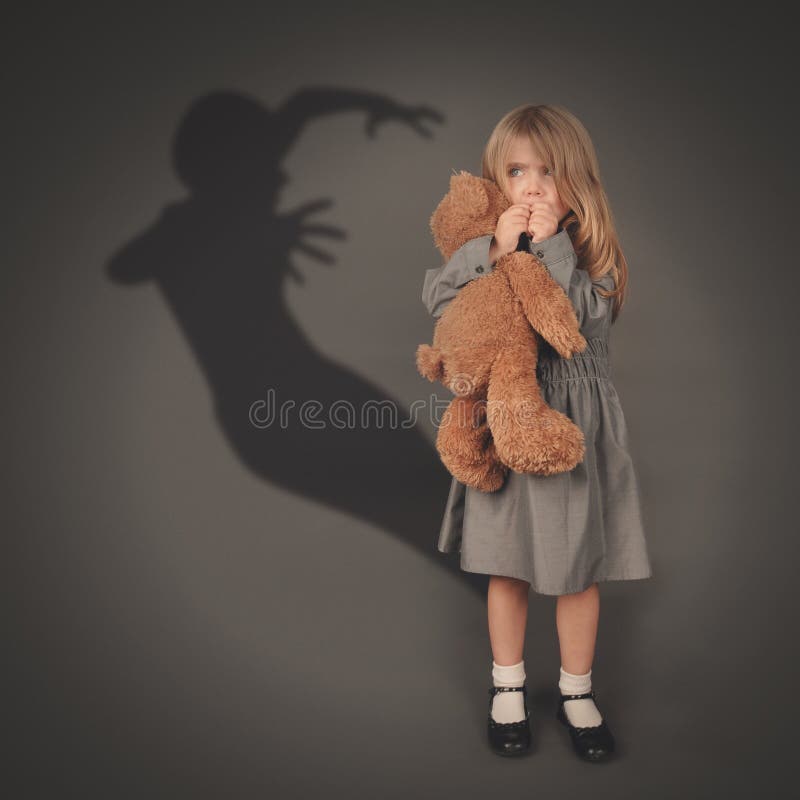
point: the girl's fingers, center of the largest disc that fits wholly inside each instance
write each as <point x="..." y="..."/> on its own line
<point x="518" y="214"/>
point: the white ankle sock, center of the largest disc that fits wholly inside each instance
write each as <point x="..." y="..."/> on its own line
<point x="580" y="713"/>
<point x="508" y="706"/>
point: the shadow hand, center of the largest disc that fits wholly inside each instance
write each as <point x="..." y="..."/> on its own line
<point x="411" y="115"/>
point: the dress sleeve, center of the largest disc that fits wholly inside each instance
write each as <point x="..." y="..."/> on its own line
<point x="591" y="308"/>
<point x="442" y="284"/>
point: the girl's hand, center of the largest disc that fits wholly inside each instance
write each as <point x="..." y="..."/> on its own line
<point x="513" y="222"/>
<point x="543" y="222"/>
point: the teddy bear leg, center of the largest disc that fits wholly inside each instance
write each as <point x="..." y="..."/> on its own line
<point x="465" y="445"/>
<point x="529" y="435"/>
<point x="544" y="303"/>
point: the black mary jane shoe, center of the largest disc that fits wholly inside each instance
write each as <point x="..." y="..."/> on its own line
<point x="594" y="743"/>
<point x="509" y="738"/>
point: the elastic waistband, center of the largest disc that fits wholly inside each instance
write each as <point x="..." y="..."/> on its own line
<point x="591" y="363"/>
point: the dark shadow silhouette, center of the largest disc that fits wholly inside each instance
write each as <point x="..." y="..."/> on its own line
<point x="220" y="257"/>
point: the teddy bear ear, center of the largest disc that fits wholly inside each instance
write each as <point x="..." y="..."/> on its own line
<point x="469" y="189"/>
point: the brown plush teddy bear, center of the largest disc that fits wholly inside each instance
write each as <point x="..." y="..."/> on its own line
<point x="485" y="351"/>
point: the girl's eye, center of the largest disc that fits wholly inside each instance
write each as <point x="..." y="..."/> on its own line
<point x="512" y="170"/>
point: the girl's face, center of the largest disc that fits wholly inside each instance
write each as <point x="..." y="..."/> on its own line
<point x="528" y="179"/>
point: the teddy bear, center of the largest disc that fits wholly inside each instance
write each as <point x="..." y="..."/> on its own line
<point x="485" y="350"/>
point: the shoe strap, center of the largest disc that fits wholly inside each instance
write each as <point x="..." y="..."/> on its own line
<point x="577" y="696"/>
<point x="495" y="689"/>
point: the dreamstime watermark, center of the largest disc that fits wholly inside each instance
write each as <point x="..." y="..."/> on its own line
<point x="346" y="415"/>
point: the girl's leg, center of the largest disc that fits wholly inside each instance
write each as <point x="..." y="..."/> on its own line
<point x="507" y="603"/>
<point x="508" y="615"/>
<point x="576" y="620"/>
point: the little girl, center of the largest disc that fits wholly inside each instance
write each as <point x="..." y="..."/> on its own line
<point x="557" y="534"/>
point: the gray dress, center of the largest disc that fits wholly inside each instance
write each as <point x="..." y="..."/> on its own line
<point x="563" y="532"/>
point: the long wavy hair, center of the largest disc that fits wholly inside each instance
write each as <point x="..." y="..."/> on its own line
<point x="563" y="144"/>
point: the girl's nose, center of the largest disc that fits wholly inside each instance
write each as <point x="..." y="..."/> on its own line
<point x="534" y="190"/>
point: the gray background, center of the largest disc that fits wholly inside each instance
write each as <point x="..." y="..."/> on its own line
<point x="200" y="608"/>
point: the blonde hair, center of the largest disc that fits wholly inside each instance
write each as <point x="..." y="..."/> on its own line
<point x="562" y="142"/>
